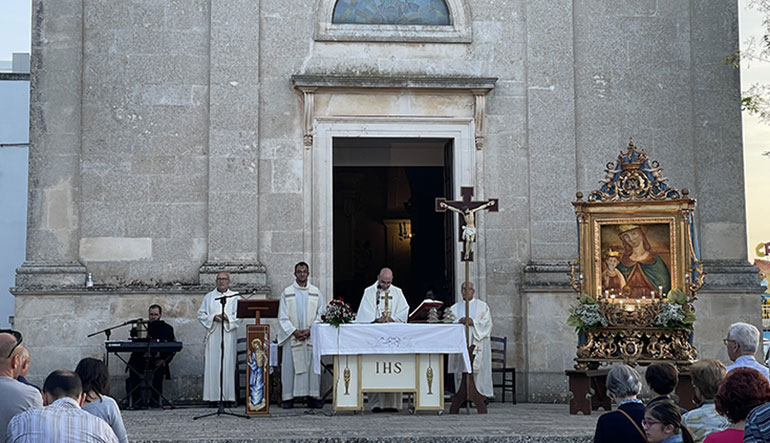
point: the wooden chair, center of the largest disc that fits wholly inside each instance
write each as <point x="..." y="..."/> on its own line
<point x="240" y="372"/>
<point x="499" y="348"/>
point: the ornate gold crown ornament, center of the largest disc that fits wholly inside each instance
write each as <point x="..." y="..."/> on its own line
<point x="633" y="177"/>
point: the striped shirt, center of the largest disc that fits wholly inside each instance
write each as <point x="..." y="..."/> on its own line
<point x="757" y="428"/>
<point x="62" y="420"/>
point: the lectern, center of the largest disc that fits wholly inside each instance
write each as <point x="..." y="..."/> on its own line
<point x="257" y="354"/>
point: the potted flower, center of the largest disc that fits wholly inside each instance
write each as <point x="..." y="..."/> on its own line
<point x="675" y="313"/>
<point x="337" y="313"/>
<point x="585" y="316"/>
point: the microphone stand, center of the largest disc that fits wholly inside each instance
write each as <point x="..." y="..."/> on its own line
<point x="221" y="404"/>
<point x="107" y="332"/>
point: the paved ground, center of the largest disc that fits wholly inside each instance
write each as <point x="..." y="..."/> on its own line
<point x="504" y="423"/>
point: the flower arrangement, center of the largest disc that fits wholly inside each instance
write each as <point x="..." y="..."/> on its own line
<point x="585" y="315"/>
<point x="674" y="312"/>
<point x="337" y="313"/>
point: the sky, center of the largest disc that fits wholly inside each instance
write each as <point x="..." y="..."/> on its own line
<point x="15" y="22"/>
<point x="15" y="19"/>
<point x="756" y="140"/>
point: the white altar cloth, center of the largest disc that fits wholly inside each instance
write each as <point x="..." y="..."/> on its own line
<point x="387" y="338"/>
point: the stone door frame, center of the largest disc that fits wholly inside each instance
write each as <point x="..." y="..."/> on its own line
<point x="318" y="241"/>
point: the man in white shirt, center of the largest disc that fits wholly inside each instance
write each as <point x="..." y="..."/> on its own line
<point x="301" y="305"/>
<point x="373" y="309"/>
<point x="480" y="323"/>
<point x="211" y="317"/>
<point x="16" y="396"/>
<point x="742" y="342"/>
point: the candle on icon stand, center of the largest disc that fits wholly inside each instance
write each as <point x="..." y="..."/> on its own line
<point x="660" y="289"/>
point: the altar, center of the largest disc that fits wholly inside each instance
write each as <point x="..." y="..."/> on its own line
<point x="388" y="357"/>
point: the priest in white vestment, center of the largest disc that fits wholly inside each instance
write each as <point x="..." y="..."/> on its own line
<point x="301" y="305"/>
<point x="372" y="310"/>
<point x="210" y="316"/>
<point x="480" y="322"/>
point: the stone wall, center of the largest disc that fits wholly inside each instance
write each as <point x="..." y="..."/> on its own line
<point x="167" y="144"/>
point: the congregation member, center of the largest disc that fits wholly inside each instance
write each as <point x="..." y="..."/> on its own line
<point x="757" y="428"/>
<point x="16" y="396"/>
<point x="662" y="379"/>
<point x="663" y="423"/>
<point x="625" y="423"/>
<point x="742" y="342"/>
<point x="211" y="317"/>
<point x="706" y="376"/>
<point x="741" y="391"/>
<point x="25" y="361"/>
<point x="480" y="323"/>
<point x="300" y="306"/>
<point x="95" y="380"/>
<point x="61" y="419"/>
<point x="158" y="362"/>
<point x="372" y="310"/>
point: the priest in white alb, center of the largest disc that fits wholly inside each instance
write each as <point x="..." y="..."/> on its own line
<point x="373" y="310"/>
<point x="211" y="317"/>
<point x="301" y="305"/>
<point x="480" y="322"/>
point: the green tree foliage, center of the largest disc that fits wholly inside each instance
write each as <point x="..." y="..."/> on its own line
<point x="756" y="98"/>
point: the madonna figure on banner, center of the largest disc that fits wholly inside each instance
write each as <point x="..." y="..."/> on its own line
<point x="643" y="270"/>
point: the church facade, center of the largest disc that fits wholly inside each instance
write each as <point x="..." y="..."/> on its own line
<point x="171" y="140"/>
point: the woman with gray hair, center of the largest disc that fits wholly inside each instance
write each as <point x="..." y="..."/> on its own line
<point x="742" y="342"/>
<point x="625" y="423"/>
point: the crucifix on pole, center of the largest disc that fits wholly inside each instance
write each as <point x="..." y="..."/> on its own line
<point x="467" y="209"/>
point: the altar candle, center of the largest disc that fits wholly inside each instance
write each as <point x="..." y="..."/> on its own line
<point x="598" y="290"/>
<point x="660" y="288"/>
<point x="652" y="295"/>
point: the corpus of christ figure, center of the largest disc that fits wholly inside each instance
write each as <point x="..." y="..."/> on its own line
<point x="467" y="209"/>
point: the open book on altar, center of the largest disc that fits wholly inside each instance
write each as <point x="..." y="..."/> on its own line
<point x="421" y="311"/>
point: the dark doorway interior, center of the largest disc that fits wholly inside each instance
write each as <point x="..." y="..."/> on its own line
<point x="384" y="216"/>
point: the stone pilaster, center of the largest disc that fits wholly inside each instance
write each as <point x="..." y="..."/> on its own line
<point x="233" y="224"/>
<point x="54" y="152"/>
<point x="551" y="128"/>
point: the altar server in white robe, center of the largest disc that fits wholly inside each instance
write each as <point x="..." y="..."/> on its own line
<point x="372" y="310"/>
<point x="301" y="305"/>
<point x="210" y="316"/>
<point x="480" y="323"/>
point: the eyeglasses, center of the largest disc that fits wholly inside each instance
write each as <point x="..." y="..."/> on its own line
<point x="18" y="337"/>
<point x="648" y="423"/>
<point x="223" y="279"/>
<point x="727" y="340"/>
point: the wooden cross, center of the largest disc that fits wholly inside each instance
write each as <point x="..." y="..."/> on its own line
<point x="467" y="210"/>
